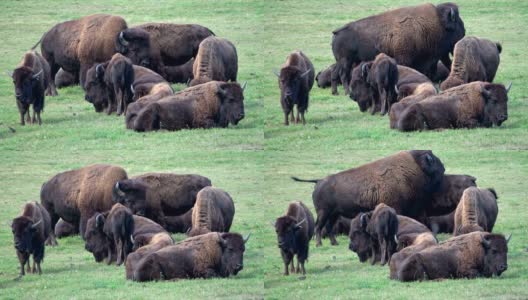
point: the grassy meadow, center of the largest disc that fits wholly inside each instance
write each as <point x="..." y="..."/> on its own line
<point x="254" y="160"/>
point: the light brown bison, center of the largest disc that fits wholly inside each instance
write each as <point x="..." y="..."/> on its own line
<point x="30" y="230"/>
<point x="216" y="60"/>
<point x="78" y="194"/>
<point x="477" y="211"/>
<point x="213" y="211"/>
<point x="64" y="229"/>
<point x="469" y="255"/>
<point x="474" y="59"/>
<point x="155" y="195"/>
<point x="403" y="181"/>
<point x="76" y="45"/>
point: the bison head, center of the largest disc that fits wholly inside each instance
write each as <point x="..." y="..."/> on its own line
<point x="495" y="254"/>
<point x="233" y="247"/>
<point x="360" y="241"/>
<point x="25" y="81"/>
<point x="361" y="91"/>
<point x="287" y="229"/>
<point x="290" y="83"/>
<point x="495" y="103"/>
<point x="231" y="103"/>
<point x="96" y="241"/>
<point x="96" y="90"/>
<point x="132" y="193"/>
<point x="453" y="26"/>
<point x="24" y="232"/>
<point x="431" y="166"/>
<point x="134" y="43"/>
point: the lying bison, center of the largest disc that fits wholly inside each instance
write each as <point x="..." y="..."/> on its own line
<point x="474" y="59"/>
<point x="420" y="242"/>
<point x="65" y="78"/>
<point x="31" y="79"/>
<point x="155" y="195"/>
<point x="422" y="92"/>
<point x="349" y="192"/>
<point x="324" y="77"/>
<point x="477" y="211"/>
<point x="30" y="231"/>
<point x="64" y="229"/>
<point x="213" y="211"/>
<point x="394" y="33"/>
<point x="157" y="242"/>
<point x="78" y="194"/>
<point x="157" y="92"/>
<point x="216" y="60"/>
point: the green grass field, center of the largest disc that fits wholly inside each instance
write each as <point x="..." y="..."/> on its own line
<point x="253" y="161"/>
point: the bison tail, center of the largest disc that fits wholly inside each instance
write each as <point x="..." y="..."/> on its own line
<point x="39" y="41"/>
<point x="305" y="180"/>
<point x="499" y="47"/>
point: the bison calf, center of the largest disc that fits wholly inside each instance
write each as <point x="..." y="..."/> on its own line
<point x="477" y="211"/>
<point x="213" y="211"/>
<point x="383" y="227"/>
<point x="383" y="76"/>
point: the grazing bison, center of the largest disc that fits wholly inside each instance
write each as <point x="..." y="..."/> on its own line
<point x="382" y="226"/>
<point x="362" y="92"/>
<point x="394" y="33"/>
<point x="65" y="78"/>
<point x="469" y="255"/>
<point x="31" y="78"/>
<point x="155" y="45"/>
<point x="324" y="77"/>
<point x="422" y="91"/>
<point x="296" y="79"/>
<point x="294" y="232"/>
<point x="403" y="181"/>
<point x="441" y="224"/>
<point x="64" y="229"/>
<point x="179" y="224"/>
<point x="476" y="104"/>
<point x="474" y="59"/>
<point x="180" y="74"/>
<point x="383" y="76"/>
<point x="420" y="242"/>
<point x="213" y="104"/>
<point x="30" y="231"/>
<point x="76" y="45"/>
<point x="446" y="198"/>
<point x="216" y="60"/>
<point x="204" y="256"/>
<point x="213" y="211"/>
<point x="78" y="194"/>
<point x="155" y="195"/>
<point x="477" y="211"/>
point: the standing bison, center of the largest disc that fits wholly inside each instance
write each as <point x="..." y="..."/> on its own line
<point x="324" y="77"/>
<point x="394" y="33"/>
<point x="296" y="79"/>
<point x="474" y="59"/>
<point x="78" y="194"/>
<point x="477" y="211"/>
<point x="403" y="181"/>
<point x="383" y="228"/>
<point x="383" y="76"/>
<point x="216" y="60"/>
<point x="213" y="211"/>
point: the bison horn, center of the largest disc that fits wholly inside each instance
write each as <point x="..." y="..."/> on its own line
<point x="452" y="15"/>
<point x="132" y="239"/>
<point x="276" y="73"/>
<point x="509" y="87"/>
<point x="244" y="85"/>
<point x="300" y="223"/>
<point x="132" y="89"/>
<point x="508" y="239"/>
<point x="37" y="75"/>
<point x="122" y="40"/>
<point x="396" y="239"/>
<point x="246" y="238"/>
<point x="363" y="220"/>
<point x="119" y="191"/>
<point x="36" y="224"/>
<point x="364" y="70"/>
<point x="99" y="71"/>
<point x="188" y="82"/>
<point x="396" y="89"/>
<point x="305" y="73"/>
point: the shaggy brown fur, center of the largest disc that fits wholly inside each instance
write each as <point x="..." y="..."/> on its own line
<point x="383" y="228"/>
<point x="342" y="226"/>
<point x="477" y="211"/>
<point x="157" y="242"/>
<point x="421" y="92"/>
<point x="213" y="211"/>
<point x="383" y="76"/>
<point x="157" y="92"/>
<point x="78" y="194"/>
<point x="441" y="224"/>
<point x="216" y="60"/>
<point x="119" y="227"/>
<point x="420" y="242"/>
<point x="145" y="80"/>
<point x="474" y="59"/>
<point x="64" y="229"/>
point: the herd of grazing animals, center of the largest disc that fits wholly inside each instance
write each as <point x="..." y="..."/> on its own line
<point x="391" y="208"/>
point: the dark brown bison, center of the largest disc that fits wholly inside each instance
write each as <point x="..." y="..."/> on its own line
<point x="78" y="194"/>
<point x="474" y="59"/>
<point x="76" y="45"/>
<point x="441" y="224"/>
<point x="156" y="242"/>
<point x="155" y="195"/>
<point x="360" y="189"/>
<point x="469" y="255"/>
<point x="476" y="104"/>
<point x="422" y="91"/>
<point x="65" y="78"/>
<point x="342" y="226"/>
<point x="118" y="227"/>
<point x="383" y="76"/>
<point x="179" y="74"/>
<point x="420" y="242"/>
<point x="155" y="45"/>
<point x="30" y="231"/>
<point x="157" y="92"/>
<point x="296" y="79"/>
<point x="181" y="223"/>
<point x="394" y="33"/>
<point x="31" y="79"/>
<point x="441" y="72"/>
<point x="324" y="77"/>
<point x="64" y="229"/>
<point x="477" y="211"/>
<point x="294" y="231"/>
<point x="213" y="211"/>
<point x="204" y="256"/>
<point x="382" y="226"/>
<point x="216" y="60"/>
<point x="445" y="199"/>
<point x="212" y="104"/>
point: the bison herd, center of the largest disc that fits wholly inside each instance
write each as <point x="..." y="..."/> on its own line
<point x="392" y="210"/>
<point x="118" y="66"/>
<point x="129" y="220"/>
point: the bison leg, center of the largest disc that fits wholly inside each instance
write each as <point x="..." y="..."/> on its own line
<point x="334" y="79"/>
<point x="23" y="258"/>
<point x="287" y="258"/>
<point x="51" y="89"/>
<point x="384" y="250"/>
<point x="297" y="119"/>
<point x="286" y="118"/>
<point x="22" y="122"/>
<point x="330" y="228"/>
<point x="384" y="100"/>
<point x="119" y="250"/>
<point x="28" y="116"/>
<point x="292" y="265"/>
<point x="322" y="219"/>
<point x="82" y="75"/>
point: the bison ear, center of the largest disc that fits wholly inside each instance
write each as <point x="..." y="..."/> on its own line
<point x="364" y="218"/>
<point x="222" y="93"/>
<point x="121" y="43"/>
<point x="99" y="221"/>
<point x="492" y="190"/>
<point x="99" y="71"/>
<point x="486" y="243"/>
<point x="484" y="90"/>
<point x="37" y="76"/>
<point x="365" y="69"/>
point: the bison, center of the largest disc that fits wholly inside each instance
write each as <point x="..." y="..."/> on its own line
<point x="155" y="195"/>
<point x="216" y="60"/>
<point x="213" y="211"/>
<point x="78" y="194"/>
<point x="156" y="242"/>
<point x="30" y="231"/>
<point x="474" y="59"/>
<point x="180" y="74"/>
<point x="420" y="242"/>
<point x="394" y="33"/>
<point x="324" y="77"/>
<point x="342" y="226"/>
<point x="65" y="78"/>
<point x="181" y="223"/>
<point x="294" y="231"/>
<point x="382" y="226"/>
<point x="403" y="181"/>
<point x="383" y="76"/>
<point x="476" y="104"/>
<point x="77" y="44"/>
<point x="31" y="78"/>
<point x="446" y="198"/>
<point x="296" y="79"/>
<point x="157" y="92"/>
<point x="64" y="229"/>
<point x="441" y="224"/>
<point x="118" y="227"/>
<point x="422" y="91"/>
<point x="477" y="211"/>
<point x="466" y="256"/>
<point x="204" y="256"/>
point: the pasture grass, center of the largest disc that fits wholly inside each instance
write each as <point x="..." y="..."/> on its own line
<point x="254" y="160"/>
